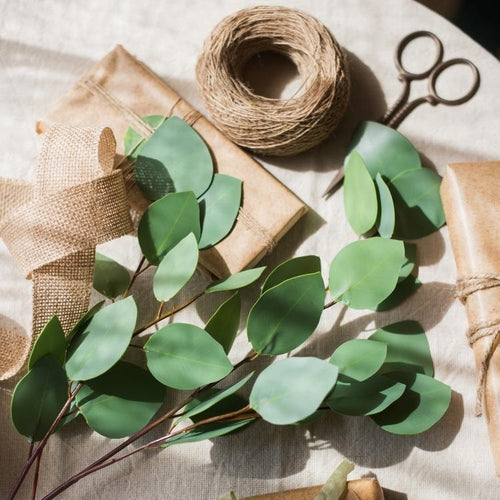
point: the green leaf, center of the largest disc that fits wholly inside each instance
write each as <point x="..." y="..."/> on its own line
<point x="365" y="272"/>
<point x="403" y="290"/>
<point x="371" y="396"/>
<point x="286" y="315"/>
<point x="219" y="208"/>
<point x="184" y="356"/>
<point x="421" y="406"/>
<point x="383" y="149"/>
<point x="410" y="259"/>
<point x="120" y="402"/>
<point x="236" y="281"/>
<point x="387" y="216"/>
<point x="132" y="139"/>
<point x="360" y="195"/>
<point x="176" y="268"/>
<point x="210" y="397"/>
<point x="110" y="278"/>
<point x="50" y="341"/>
<point x="417" y="201"/>
<point x="335" y="487"/>
<point x="359" y="358"/>
<point x="84" y="321"/>
<point x="166" y="222"/>
<point x="229" y="496"/>
<point x="291" y="389"/>
<point x="291" y="268"/>
<point x="225" y="321"/>
<point x="407" y="347"/>
<point x="38" y="398"/>
<point x="103" y="341"/>
<point x="174" y="158"/>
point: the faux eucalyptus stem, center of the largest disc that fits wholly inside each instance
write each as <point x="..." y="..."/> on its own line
<point x="35" y="478"/>
<point x="137" y="272"/>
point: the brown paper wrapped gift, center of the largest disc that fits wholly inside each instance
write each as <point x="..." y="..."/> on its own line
<point x="470" y="193"/>
<point x="118" y="90"/>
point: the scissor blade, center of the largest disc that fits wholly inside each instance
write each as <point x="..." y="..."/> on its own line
<point x="336" y="181"/>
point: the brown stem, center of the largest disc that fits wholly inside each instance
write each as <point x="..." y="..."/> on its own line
<point x="134" y="277"/>
<point x="35" y="479"/>
<point x="330" y="304"/>
<point x="160" y="309"/>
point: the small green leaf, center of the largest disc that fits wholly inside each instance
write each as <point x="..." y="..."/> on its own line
<point x="365" y="272"/>
<point x="286" y="315"/>
<point x="359" y="358"/>
<point x="132" y="139"/>
<point x="120" y="402"/>
<point x="360" y="195"/>
<point x="387" y="216"/>
<point x="184" y="356"/>
<point x="219" y="208"/>
<point x="166" y="222"/>
<point x="229" y="496"/>
<point x="50" y="341"/>
<point x="176" y="268"/>
<point x="424" y="403"/>
<point x="103" y="341"/>
<point x="291" y="389"/>
<point x="236" y="281"/>
<point x="410" y="259"/>
<point x="383" y="149"/>
<point x="224" y="323"/>
<point x="38" y="398"/>
<point x="84" y="321"/>
<point x="110" y="278"/>
<point x="336" y="485"/>
<point x="174" y="158"/>
<point x="403" y="290"/>
<point x="371" y="396"/>
<point x="407" y="347"/>
<point x="296" y="266"/>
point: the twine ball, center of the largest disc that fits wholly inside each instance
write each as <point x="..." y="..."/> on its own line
<point x="280" y="127"/>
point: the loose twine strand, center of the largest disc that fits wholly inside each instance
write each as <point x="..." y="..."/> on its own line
<point x="274" y="126"/>
<point x="491" y="328"/>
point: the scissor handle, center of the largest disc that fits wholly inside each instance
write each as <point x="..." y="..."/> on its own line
<point x="398" y="58"/>
<point x="443" y="66"/>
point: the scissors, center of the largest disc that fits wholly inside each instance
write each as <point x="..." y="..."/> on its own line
<point x="402" y="108"/>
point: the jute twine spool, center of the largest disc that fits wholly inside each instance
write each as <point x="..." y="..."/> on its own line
<point x="274" y="126"/>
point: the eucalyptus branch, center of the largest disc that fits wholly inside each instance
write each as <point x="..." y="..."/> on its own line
<point x="35" y="478"/>
<point x="330" y="304"/>
<point x="137" y="272"/>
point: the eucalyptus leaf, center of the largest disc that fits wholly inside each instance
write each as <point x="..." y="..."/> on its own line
<point x="166" y="222"/>
<point x="50" y="341"/>
<point x="39" y="397"/>
<point x="359" y="358"/>
<point x="176" y="268"/>
<point x="103" y="341"/>
<point x="407" y="347"/>
<point x="371" y="396"/>
<point x="286" y="315"/>
<point x="174" y="158"/>
<point x="291" y="268"/>
<point x="410" y="259"/>
<point x="184" y="356"/>
<point x="225" y="321"/>
<point x="335" y="487"/>
<point x="121" y="401"/>
<point x="387" y="216"/>
<point x="84" y="321"/>
<point x="219" y="208"/>
<point x="229" y="496"/>
<point x="423" y="404"/>
<point x="133" y="139"/>
<point x="365" y="272"/>
<point x="383" y="149"/>
<point x="291" y="389"/>
<point x="111" y="279"/>
<point x="403" y="290"/>
<point x="360" y="195"/>
<point x="236" y="281"/>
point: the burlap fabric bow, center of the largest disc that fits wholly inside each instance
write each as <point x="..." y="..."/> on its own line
<point x="51" y="228"/>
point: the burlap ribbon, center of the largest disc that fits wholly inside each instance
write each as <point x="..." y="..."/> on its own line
<point x="51" y="228"/>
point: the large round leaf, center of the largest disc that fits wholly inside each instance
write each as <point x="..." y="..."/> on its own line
<point x="286" y="315"/>
<point x="166" y="222"/>
<point x="50" y="341"/>
<point x="423" y="404"/>
<point x="306" y="264"/>
<point x="387" y="215"/>
<point x="39" y="397"/>
<point x="84" y="321"/>
<point x="184" y="356"/>
<point x="365" y="272"/>
<point x="111" y="279"/>
<point x="219" y="207"/>
<point x="360" y="195"/>
<point x="359" y="358"/>
<point x="403" y="290"/>
<point x="103" y="341"/>
<point x="292" y="389"/>
<point x="417" y="201"/>
<point x="120" y="402"/>
<point x="174" y="158"/>
<point x="236" y="281"/>
<point x="383" y="149"/>
<point x="225" y="321"/>
<point x="176" y="268"/>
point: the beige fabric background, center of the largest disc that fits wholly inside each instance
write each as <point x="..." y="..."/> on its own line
<point x="46" y="45"/>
